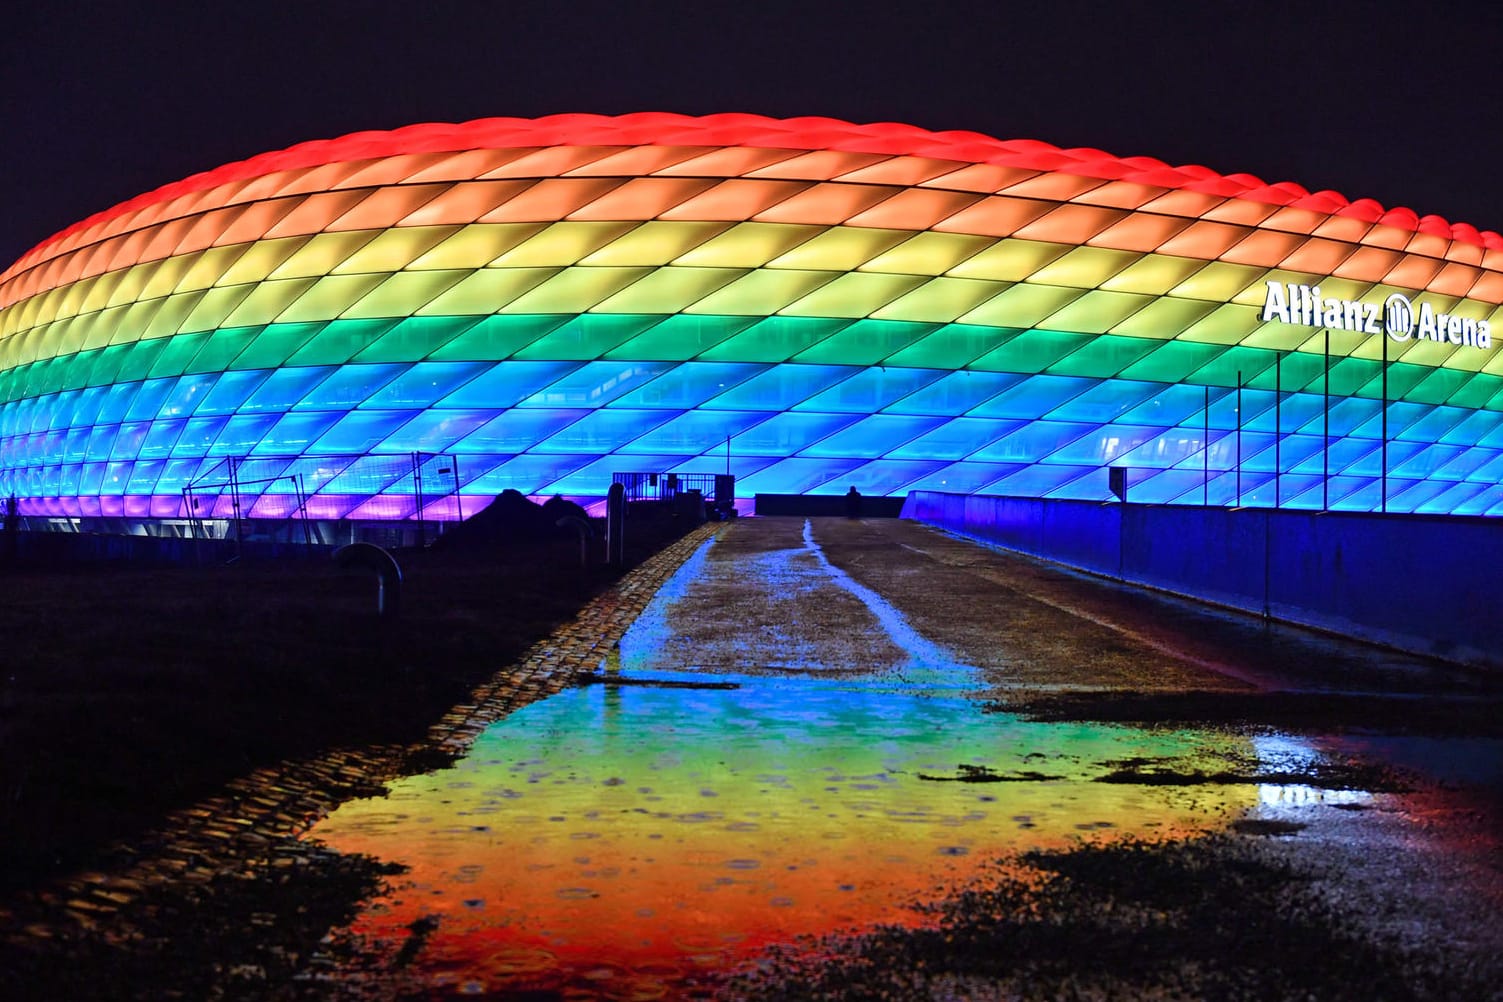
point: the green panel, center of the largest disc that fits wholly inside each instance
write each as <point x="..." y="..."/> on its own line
<point x="588" y="336"/>
<point x="681" y="337"/>
<point x="1439" y="386"/>
<point x="1298" y="370"/>
<point x="341" y="341"/>
<point x="179" y="351"/>
<point x="1032" y="351"/>
<point x="775" y="339"/>
<point x="953" y="346"/>
<point x="1477" y="391"/>
<point x="275" y="344"/>
<point x="1402" y="377"/>
<point x="137" y="359"/>
<point x="497" y="337"/>
<point x="415" y="338"/>
<point x="1223" y="369"/>
<point x="9" y="380"/>
<point x="222" y="348"/>
<point x="78" y="369"/>
<point x="1106" y="355"/>
<point x="1172" y="361"/>
<point x="866" y="342"/>
<point x="1350" y="374"/>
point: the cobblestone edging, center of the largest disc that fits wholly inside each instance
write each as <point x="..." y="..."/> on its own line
<point x="254" y="825"/>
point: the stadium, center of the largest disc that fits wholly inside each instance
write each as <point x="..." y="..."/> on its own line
<point x="401" y="325"/>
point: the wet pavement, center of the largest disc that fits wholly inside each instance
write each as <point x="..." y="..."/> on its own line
<point x="821" y="740"/>
<point x="832" y="758"/>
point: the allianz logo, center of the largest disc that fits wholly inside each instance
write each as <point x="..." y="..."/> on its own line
<point x="1396" y="316"/>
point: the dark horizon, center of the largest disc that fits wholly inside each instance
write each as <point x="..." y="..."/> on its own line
<point x="105" y="105"/>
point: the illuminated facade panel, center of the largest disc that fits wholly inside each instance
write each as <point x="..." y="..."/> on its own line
<point x="815" y="305"/>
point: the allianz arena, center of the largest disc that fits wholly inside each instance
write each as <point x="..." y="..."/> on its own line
<point x="401" y="325"/>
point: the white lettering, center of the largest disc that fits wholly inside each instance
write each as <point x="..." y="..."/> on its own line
<point x="1484" y="334"/>
<point x="1453" y="329"/>
<point x="1275" y="306"/>
<point x="1370" y="317"/>
<point x="1427" y="324"/>
<point x="1292" y="303"/>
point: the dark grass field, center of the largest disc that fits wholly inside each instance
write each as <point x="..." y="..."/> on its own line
<point x="127" y="692"/>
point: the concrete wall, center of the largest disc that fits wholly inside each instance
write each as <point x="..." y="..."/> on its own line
<point x="1429" y="584"/>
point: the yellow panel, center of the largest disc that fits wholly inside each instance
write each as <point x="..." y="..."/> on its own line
<point x="486" y="291"/>
<point x="394" y="249"/>
<point x="1021" y="306"/>
<point x="668" y="290"/>
<point x="1277" y="337"/>
<point x="99" y="296"/>
<point x="1427" y="352"/>
<point x="1153" y="275"/>
<point x="210" y="266"/>
<point x="654" y="243"/>
<point x="167" y="275"/>
<point x="748" y="245"/>
<point x="267" y="301"/>
<point x="1009" y="260"/>
<point x="853" y="294"/>
<point x="138" y="320"/>
<point x="561" y="244"/>
<point x="761" y="293"/>
<point x="71" y="300"/>
<point x="929" y="253"/>
<point x="839" y="249"/>
<point x="1228" y="324"/>
<point x="1219" y="281"/>
<point x="404" y="293"/>
<point x="1084" y="267"/>
<point x="1097" y="312"/>
<point x="476" y="245"/>
<point x="329" y="297"/>
<point x="1164" y="317"/>
<point x="131" y="285"/>
<point x="261" y="259"/>
<point x="216" y="304"/>
<point x="940" y="300"/>
<point x="323" y="253"/>
<point x="575" y="290"/>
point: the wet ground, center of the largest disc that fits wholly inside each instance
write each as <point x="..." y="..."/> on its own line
<point x="852" y="759"/>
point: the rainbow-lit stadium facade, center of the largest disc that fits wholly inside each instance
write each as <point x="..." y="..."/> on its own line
<point x="812" y="304"/>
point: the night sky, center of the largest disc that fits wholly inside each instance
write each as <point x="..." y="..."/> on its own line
<point x="1397" y="102"/>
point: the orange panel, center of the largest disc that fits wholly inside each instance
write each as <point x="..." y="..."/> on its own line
<point x="128" y="249"/>
<point x="1428" y="244"/>
<point x="322" y="178"/>
<point x="1489" y="288"/>
<point x="550" y="199"/>
<point x="734" y="161"/>
<point x="1141" y="231"/>
<point x="464" y="203"/>
<point x="1241" y="210"/>
<point x="551" y="161"/>
<point x="643" y="198"/>
<point x="1121" y="194"/>
<point x="207" y="228"/>
<point x="1203" y="239"/>
<point x="736" y="199"/>
<point x="1057" y="187"/>
<point x="986" y="178"/>
<point x="1463" y="252"/>
<point x="1318" y="257"/>
<point x="827" y="204"/>
<point x="1190" y="204"/>
<point x="164" y="242"/>
<point x="637" y="161"/>
<point x="1295" y="220"/>
<point x="385" y="206"/>
<point x="256" y="221"/>
<point x="1492" y="259"/>
<point x="1071" y="224"/>
<point x="914" y="209"/>
<point x="904" y="171"/>
<point x="315" y="213"/>
<point x="469" y="164"/>
<point x="1367" y="264"/>
<point x="994" y="217"/>
<point x="269" y="185"/>
<point x="821" y="165"/>
<point x="1263" y="248"/>
<point x="1348" y="228"/>
<point x="1455" y="279"/>
<point x="392" y="170"/>
<point x="1384" y="235"/>
<point x="1413" y="272"/>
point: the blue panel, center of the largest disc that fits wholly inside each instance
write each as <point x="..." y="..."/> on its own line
<point x="436" y="430"/>
<point x="1106" y="402"/>
<point x="871" y="390"/>
<point x="595" y="478"/>
<point x="695" y="432"/>
<point x="424" y="384"/>
<point x="1105" y="445"/>
<point x="1034" y="397"/>
<point x="87" y="406"/>
<point x="1467" y="462"/>
<point x="955" y="439"/>
<point x="285" y="387"/>
<point x="965" y="478"/>
<point x="1033" y="442"/>
<point x="1350" y="414"/>
<point x="143" y="478"/>
<point x="595" y="384"/>
<point x="530" y="474"/>
<point x="604" y="430"/>
<point x="348" y="386"/>
<point x="781" y="387"/>
<point x="1295" y="411"/>
<point x="117" y="402"/>
<point x="199" y="435"/>
<point x="1174" y="405"/>
<point x="62" y="408"/>
<point x="161" y="438"/>
<point x="1474" y="428"/>
<point x="691" y="384"/>
<point x="231" y="390"/>
<point x="955" y="392"/>
<point x="75" y="446"/>
<point x="882" y="477"/>
<point x="1175" y="446"/>
<point x="1425" y="462"/>
<point x="148" y="402"/>
<point x="294" y="432"/>
<point x="797" y="476"/>
<point x="116" y="477"/>
<point x="101" y="440"/>
<point x="1453" y="499"/>
<point x="1036" y="481"/>
<point x="505" y="383"/>
<point x="361" y="431"/>
<point x="1433" y="426"/>
<point x="186" y="396"/>
<point x="517" y="430"/>
<point x="788" y="433"/>
<point x="240" y="434"/>
<point x="873" y="436"/>
<point x="128" y="439"/>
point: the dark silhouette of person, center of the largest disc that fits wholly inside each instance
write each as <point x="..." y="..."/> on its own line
<point x="853" y="503"/>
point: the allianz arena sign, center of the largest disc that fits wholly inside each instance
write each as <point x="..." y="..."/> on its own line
<point x="1303" y="305"/>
